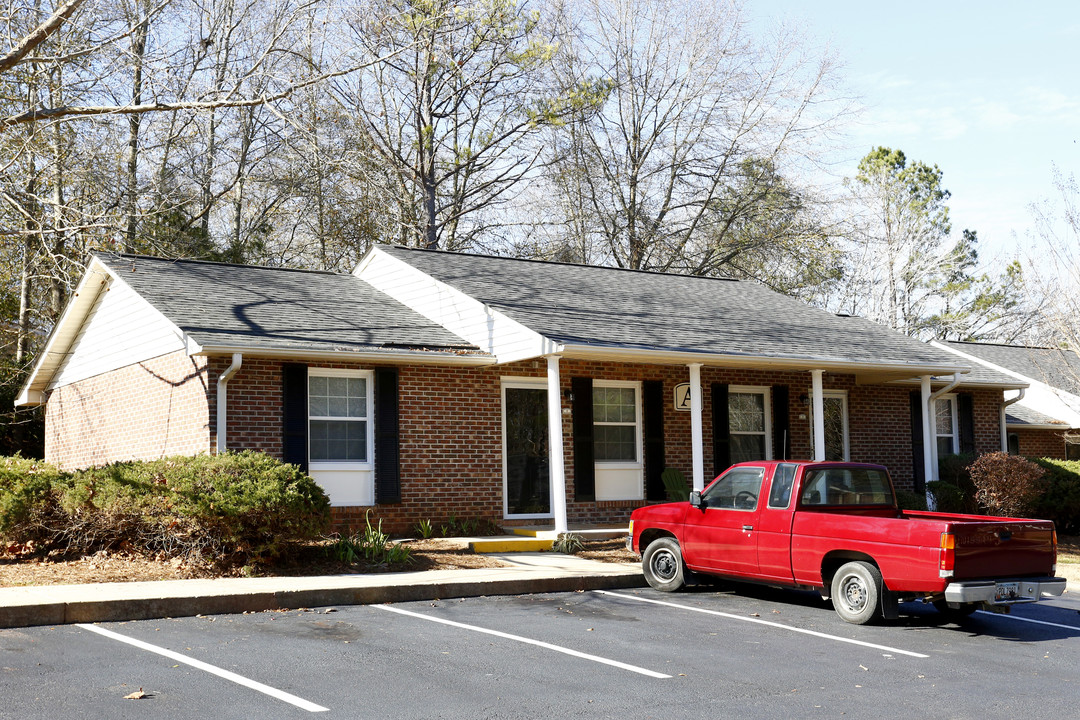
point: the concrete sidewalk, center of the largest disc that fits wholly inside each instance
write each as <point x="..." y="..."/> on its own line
<point x="101" y="602"/>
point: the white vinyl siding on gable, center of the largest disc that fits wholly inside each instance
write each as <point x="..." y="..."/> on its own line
<point x="491" y="331"/>
<point x="122" y="329"/>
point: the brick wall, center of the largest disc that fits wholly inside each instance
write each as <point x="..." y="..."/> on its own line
<point x="142" y="412"/>
<point x="451" y="425"/>
<point x="1041" y="443"/>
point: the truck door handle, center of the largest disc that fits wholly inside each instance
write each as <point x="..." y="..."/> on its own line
<point x="747" y="528"/>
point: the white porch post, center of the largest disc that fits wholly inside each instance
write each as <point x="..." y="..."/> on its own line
<point x="556" y="462"/>
<point x="929" y="473"/>
<point x="818" y="397"/>
<point x="696" y="435"/>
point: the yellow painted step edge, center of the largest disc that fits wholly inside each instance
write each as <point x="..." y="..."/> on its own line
<point x="503" y="546"/>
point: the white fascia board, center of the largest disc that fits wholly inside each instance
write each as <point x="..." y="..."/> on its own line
<point x="1039" y="396"/>
<point x="94" y="280"/>
<point x="660" y="357"/>
<point x="402" y="357"/>
<point x="493" y="332"/>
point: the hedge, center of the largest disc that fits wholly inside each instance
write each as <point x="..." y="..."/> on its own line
<point x="229" y="508"/>
<point x="1060" y="500"/>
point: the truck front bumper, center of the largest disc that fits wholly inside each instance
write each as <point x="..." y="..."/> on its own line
<point x="1005" y="591"/>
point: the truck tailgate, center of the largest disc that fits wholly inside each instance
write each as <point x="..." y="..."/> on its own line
<point x="1009" y="548"/>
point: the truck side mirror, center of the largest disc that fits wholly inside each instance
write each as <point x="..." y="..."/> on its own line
<point x="695" y="498"/>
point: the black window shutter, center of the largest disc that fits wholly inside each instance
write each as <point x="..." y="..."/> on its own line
<point x="387" y="438"/>
<point x="584" y="463"/>
<point x="965" y="412"/>
<point x="652" y="416"/>
<point x="721" y="429"/>
<point x="294" y="412"/>
<point x="781" y="422"/>
<point x="918" y="468"/>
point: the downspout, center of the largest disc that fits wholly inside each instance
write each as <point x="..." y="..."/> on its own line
<point x="1004" y="430"/>
<point x="223" y="381"/>
<point x="932" y="473"/>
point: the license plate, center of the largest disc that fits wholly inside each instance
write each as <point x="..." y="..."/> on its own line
<point x="1006" y="592"/>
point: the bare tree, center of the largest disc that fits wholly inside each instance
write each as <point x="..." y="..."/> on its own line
<point x="701" y="121"/>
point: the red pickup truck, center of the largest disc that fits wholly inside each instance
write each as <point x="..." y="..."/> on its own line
<point x="835" y="527"/>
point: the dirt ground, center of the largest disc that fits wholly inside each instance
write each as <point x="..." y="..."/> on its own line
<point x="20" y="567"/>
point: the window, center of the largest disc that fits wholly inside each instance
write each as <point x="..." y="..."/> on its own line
<point x="1072" y="450"/>
<point x="1013" y="442"/>
<point x="339" y="412"/>
<point x="782" y="481"/>
<point x="846" y="486"/>
<point x="737" y="489"/>
<point x="748" y="423"/>
<point x="616" y="422"/>
<point x="945" y="426"/>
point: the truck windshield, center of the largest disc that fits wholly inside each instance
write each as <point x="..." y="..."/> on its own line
<point x="846" y="486"/>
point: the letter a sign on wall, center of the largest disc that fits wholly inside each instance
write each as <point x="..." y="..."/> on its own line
<point x="682" y="397"/>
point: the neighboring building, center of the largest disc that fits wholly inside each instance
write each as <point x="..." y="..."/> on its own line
<point x="420" y="384"/>
<point x="1042" y="420"/>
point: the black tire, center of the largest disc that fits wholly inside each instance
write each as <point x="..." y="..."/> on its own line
<point x="856" y="592"/>
<point x="663" y="566"/>
<point x="955" y="614"/>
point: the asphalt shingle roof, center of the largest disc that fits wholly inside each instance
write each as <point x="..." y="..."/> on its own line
<point x="621" y="308"/>
<point x="278" y="309"/>
<point x="1055" y="367"/>
<point x="1019" y="414"/>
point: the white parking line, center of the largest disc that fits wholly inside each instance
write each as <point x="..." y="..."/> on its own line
<point x="238" y="679"/>
<point x="759" y="621"/>
<point x="528" y="641"/>
<point x="1027" y="620"/>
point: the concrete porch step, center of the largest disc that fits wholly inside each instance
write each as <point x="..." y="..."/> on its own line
<point x="510" y="544"/>
<point x="594" y="533"/>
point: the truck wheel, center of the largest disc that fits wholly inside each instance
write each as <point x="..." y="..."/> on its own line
<point x="662" y="564"/>
<point x="955" y="614"/>
<point x="856" y="592"/>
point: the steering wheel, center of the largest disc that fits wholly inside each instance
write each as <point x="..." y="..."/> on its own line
<point x="745" y="499"/>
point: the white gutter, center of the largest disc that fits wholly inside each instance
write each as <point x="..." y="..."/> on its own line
<point x="223" y="381"/>
<point x="414" y="357"/>
<point x="1004" y="428"/>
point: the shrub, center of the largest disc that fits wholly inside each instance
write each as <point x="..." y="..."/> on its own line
<point x="26" y="493"/>
<point x="947" y="497"/>
<point x="953" y="470"/>
<point x="370" y="545"/>
<point x="908" y="500"/>
<point x="1006" y="484"/>
<point x="568" y="543"/>
<point x="1061" y="500"/>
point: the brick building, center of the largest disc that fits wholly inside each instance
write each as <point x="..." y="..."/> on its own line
<point x="419" y="386"/>
<point x="1043" y="419"/>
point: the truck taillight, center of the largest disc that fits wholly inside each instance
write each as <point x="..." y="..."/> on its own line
<point x="1053" y="551"/>
<point x="947" y="556"/>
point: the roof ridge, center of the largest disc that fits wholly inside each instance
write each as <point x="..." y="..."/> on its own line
<point x="197" y="261"/>
<point x="561" y="262"/>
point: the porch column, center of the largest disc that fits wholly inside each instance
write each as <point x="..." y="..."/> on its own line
<point x="696" y="435"/>
<point x="556" y="461"/>
<point x="818" y="398"/>
<point x="929" y="470"/>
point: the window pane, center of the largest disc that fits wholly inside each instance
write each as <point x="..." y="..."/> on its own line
<point x="834" y="428"/>
<point x="615" y="442"/>
<point x="746" y="412"/>
<point x="317" y="406"/>
<point x="944" y="446"/>
<point x="338" y="440"/>
<point x="613" y="404"/>
<point x="836" y="486"/>
<point x="738" y="489"/>
<point x="747" y="447"/>
<point x="944" y="417"/>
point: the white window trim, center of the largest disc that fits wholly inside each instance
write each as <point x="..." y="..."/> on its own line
<point x="756" y="390"/>
<point x="521" y="383"/>
<point x="638" y="463"/>
<point x="842" y="395"/>
<point x="951" y="399"/>
<point x="369" y="377"/>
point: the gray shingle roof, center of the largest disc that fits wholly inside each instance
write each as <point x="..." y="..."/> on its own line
<point x="580" y="304"/>
<point x="1055" y="367"/>
<point x="1019" y="414"/>
<point x="240" y="306"/>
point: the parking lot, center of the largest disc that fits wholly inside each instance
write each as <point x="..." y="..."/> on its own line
<point x="713" y="651"/>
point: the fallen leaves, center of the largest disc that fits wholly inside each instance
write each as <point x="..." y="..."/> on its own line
<point x="137" y="695"/>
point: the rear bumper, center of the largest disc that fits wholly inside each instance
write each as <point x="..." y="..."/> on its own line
<point x="989" y="591"/>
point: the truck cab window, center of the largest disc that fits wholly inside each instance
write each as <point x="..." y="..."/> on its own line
<point x="737" y="489"/>
<point x="783" y="479"/>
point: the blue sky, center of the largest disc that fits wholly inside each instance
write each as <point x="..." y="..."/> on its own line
<point x="988" y="91"/>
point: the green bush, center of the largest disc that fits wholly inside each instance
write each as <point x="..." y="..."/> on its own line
<point x="959" y="494"/>
<point x="230" y="508"/>
<point x="908" y="500"/>
<point x="1060" y="501"/>
<point x="947" y="497"/>
<point x="371" y="546"/>
<point x="25" y="492"/>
